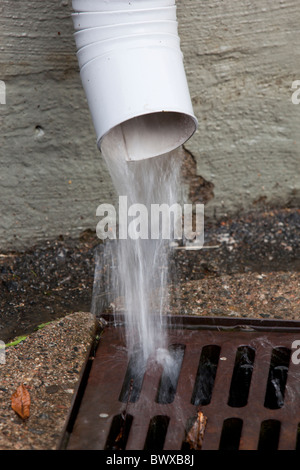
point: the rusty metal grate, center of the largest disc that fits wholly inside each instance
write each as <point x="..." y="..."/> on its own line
<point x="238" y="373"/>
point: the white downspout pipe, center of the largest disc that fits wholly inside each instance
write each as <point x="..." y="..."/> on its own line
<point x="132" y="71"/>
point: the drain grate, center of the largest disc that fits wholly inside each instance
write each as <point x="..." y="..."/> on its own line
<point x="239" y="374"/>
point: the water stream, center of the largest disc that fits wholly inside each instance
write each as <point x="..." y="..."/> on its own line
<point x="136" y="271"/>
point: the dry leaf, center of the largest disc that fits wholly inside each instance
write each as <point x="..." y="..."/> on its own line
<point x="20" y="402"/>
<point x="196" y="433"/>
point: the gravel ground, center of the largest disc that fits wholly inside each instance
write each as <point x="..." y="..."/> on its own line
<point x="249" y="267"/>
<point x="48" y="362"/>
<point x="271" y="295"/>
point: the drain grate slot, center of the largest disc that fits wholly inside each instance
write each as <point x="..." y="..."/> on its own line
<point x="241" y="377"/>
<point x="133" y="380"/>
<point x="157" y="433"/>
<point x="243" y="381"/>
<point x="269" y="435"/>
<point x="298" y="438"/>
<point x="277" y="378"/>
<point x="206" y="375"/>
<point x="170" y="375"/>
<point x="231" y="434"/>
<point x="119" y="431"/>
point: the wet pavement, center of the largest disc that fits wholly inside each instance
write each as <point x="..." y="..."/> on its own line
<point x="45" y="282"/>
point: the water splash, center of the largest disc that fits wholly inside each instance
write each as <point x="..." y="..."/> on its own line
<point x="135" y="273"/>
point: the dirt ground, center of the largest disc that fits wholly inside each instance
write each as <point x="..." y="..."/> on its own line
<point x="249" y="267"/>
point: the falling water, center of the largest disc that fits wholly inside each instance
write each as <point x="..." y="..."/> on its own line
<point x="138" y="272"/>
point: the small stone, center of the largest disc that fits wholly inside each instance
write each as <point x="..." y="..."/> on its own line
<point x="36" y="431"/>
<point x="52" y="389"/>
<point x="264" y="315"/>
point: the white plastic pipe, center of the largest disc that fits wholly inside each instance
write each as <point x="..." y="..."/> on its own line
<point x="89" y="36"/>
<point x="123" y="44"/>
<point x="117" y="5"/>
<point x="134" y="79"/>
<point x="86" y="20"/>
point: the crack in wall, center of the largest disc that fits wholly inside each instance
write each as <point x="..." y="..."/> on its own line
<point x="200" y="190"/>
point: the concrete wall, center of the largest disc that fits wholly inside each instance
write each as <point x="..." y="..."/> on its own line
<point x="241" y="58"/>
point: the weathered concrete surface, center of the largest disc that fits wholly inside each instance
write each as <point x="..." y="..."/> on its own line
<point x="52" y="176"/>
<point x="241" y="58"/>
